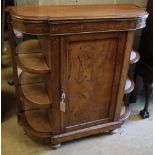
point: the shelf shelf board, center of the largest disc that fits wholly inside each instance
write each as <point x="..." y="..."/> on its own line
<point x="38" y="120"/>
<point x="125" y="112"/>
<point x="35" y="95"/>
<point x="32" y="63"/>
<point x="28" y="46"/>
<point x="36" y="123"/>
<point x="29" y="78"/>
<point x="134" y="57"/>
<point x="129" y="86"/>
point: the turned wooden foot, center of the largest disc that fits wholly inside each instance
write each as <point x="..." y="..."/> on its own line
<point x="113" y="131"/>
<point x="56" y="146"/>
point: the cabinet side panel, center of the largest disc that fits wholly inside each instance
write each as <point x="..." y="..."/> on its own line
<point x="118" y="74"/>
<point x="124" y="71"/>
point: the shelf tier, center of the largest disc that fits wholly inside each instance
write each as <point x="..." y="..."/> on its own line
<point x="35" y="95"/>
<point x="28" y="46"/>
<point x="36" y="123"/>
<point x="134" y="57"/>
<point x="32" y="63"/>
<point x="129" y="86"/>
<point x="29" y="78"/>
<point x="126" y="112"/>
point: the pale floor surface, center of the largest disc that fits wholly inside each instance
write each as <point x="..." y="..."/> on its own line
<point x="134" y="138"/>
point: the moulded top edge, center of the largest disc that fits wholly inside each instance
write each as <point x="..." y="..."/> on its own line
<point x="79" y="12"/>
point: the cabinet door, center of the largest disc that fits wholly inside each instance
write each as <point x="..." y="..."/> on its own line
<point x="90" y="74"/>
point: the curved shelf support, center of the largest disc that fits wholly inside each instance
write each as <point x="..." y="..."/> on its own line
<point x="29" y="46"/>
<point x="126" y="114"/>
<point x="36" y="125"/>
<point x="32" y="63"/>
<point x="35" y="95"/>
<point x="29" y="78"/>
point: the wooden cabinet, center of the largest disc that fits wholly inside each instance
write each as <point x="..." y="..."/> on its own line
<point x="73" y="76"/>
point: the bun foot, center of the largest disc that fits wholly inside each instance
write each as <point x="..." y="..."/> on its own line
<point x="113" y="131"/>
<point x="144" y="114"/>
<point x="56" y="146"/>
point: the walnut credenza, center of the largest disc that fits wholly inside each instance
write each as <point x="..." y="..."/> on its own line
<point x="70" y="81"/>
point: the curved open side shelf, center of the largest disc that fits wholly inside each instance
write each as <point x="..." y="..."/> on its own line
<point x="36" y="124"/>
<point x="28" y="46"/>
<point x="29" y="78"/>
<point x="35" y="95"/>
<point x="129" y="86"/>
<point x="32" y="63"/>
<point x="134" y="57"/>
<point x="126" y="114"/>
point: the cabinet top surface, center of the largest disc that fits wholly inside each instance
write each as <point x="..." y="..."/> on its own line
<point x="106" y="11"/>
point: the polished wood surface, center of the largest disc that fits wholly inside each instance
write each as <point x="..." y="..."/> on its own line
<point x="58" y="139"/>
<point x="33" y="63"/>
<point x="36" y="124"/>
<point x="28" y="46"/>
<point x="125" y="66"/>
<point x="91" y="26"/>
<point x="35" y="94"/>
<point x="84" y="55"/>
<point x="92" y="72"/>
<point x="38" y="120"/>
<point x="29" y="78"/>
<point x="60" y="20"/>
<point x="77" y="12"/>
<point x="25" y="19"/>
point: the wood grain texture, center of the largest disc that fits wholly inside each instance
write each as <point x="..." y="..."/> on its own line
<point x="124" y="70"/>
<point x="77" y="12"/>
<point x="38" y="120"/>
<point x="90" y="26"/>
<point x="35" y="123"/>
<point x="85" y="132"/>
<point x="46" y="48"/>
<point x="74" y="19"/>
<point x="30" y="27"/>
<point x="35" y="94"/>
<point x="88" y="78"/>
<point x="14" y="63"/>
<point x="58" y="139"/>
<point x="32" y="63"/>
<point x="54" y="87"/>
<point x="28" y="46"/>
<point x="29" y="78"/>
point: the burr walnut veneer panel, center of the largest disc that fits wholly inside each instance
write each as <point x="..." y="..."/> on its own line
<point x="90" y="74"/>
